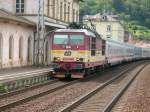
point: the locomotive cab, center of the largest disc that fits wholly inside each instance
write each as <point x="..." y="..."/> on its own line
<point x="68" y="53"/>
<point x="75" y="52"/>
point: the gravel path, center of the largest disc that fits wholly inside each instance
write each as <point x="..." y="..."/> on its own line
<point x="53" y="102"/>
<point x="137" y="97"/>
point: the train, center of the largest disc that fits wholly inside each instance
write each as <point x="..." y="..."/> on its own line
<point x="76" y="53"/>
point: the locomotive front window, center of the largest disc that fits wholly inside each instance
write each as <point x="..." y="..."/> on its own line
<point x="76" y="39"/>
<point x="61" y="39"/>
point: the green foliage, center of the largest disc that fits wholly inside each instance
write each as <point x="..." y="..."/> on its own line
<point x="135" y="13"/>
<point x="3" y="88"/>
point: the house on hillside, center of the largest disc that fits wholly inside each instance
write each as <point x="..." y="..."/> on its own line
<point x="108" y="26"/>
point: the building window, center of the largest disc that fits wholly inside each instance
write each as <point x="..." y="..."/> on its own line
<point x="48" y="7"/>
<point x="53" y="5"/>
<point x="76" y="16"/>
<point x="1" y="47"/>
<point x="65" y="12"/>
<point x="73" y="15"/>
<point x="68" y="12"/>
<point x="108" y="28"/>
<point x="21" y="48"/>
<point x="57" y="7"/>
<point x="61" y="7"/>
<point x="11" y="45"/>
<point x="93" y="46"/>
<point x="19" y="6"/>
<point x="108" y="36"/>
<point x="29" y="53"/>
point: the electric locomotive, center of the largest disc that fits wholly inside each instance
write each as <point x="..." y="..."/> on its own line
<point x="76" y="52"/>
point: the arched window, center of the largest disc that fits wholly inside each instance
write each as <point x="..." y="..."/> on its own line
<point x="29" y="50"/>
<point x="21" y="47"/>
<point x="11" y="46"/>
<point x="1" y="47"/>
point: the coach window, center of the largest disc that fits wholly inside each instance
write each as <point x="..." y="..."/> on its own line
<point x="11" y="46"/>
<point x="21" y="48"/>
<point x="19" y="6"/>
<point x="1" y="47"/>
<point x="93" y="47"/>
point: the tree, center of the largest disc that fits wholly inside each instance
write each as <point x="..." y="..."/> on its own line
<point x="135" y="13"/>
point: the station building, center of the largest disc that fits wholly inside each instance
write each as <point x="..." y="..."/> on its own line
<point x="18" y="20"/>
<point x="16" y="40"/>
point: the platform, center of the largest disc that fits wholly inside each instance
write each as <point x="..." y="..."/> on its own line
<point x="16" y="78"/>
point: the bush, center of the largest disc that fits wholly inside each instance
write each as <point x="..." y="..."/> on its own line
<point x="3" y="88"/>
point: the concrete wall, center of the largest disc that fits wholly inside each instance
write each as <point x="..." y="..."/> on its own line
<point x="16" y="31"/>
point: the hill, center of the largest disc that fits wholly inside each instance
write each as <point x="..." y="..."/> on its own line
<point x="134" y="13"/>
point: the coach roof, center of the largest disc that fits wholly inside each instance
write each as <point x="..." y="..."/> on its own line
<point x="87" y="32"/>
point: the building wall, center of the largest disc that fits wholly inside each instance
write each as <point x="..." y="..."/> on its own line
<point x="8" y="5"/>
<point x="58" y="11"/>
<point x="52" y="9"/>
<point x="15" y="31"/>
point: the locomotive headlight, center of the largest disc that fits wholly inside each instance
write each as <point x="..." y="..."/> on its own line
<point x="79" y="59"/>
<point x="56" y="58"/>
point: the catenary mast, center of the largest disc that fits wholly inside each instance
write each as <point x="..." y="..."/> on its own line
<point x="40" y="34"/>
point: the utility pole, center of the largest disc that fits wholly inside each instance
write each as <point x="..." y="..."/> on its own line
<point x="40" y="34"/>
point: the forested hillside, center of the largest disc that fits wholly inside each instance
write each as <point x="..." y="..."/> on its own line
<point x="135" y="13"/>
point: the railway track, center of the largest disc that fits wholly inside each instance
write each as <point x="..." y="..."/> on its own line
<point x="49" y="87"/>
<point x="52" y="86"/>
<point x="105" y="96"/>
<point x="28" y="88"/>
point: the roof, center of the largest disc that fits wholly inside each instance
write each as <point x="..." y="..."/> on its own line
<point x="9" y="16"/>
<point x="102" y="17"/>
<point x="87" y="32"/>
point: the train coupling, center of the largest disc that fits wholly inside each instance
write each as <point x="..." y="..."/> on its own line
<point x="67" y="75"/>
